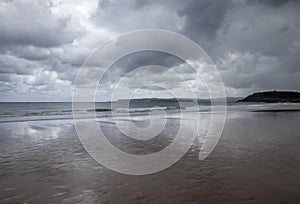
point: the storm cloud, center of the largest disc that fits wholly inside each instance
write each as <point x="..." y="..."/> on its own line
<point x="255" y="44"/>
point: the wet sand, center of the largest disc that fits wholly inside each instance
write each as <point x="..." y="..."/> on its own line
<point x="257" y="160"/>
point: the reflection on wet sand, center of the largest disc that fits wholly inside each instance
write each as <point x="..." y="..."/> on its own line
<point x="257" y="160"/>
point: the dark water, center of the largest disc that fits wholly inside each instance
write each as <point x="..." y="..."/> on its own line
<point x="257" y="160"/>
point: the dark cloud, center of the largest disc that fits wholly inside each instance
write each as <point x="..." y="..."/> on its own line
<point x="136" y="60"/>
<point x="255" y="44"/>
<point x="275" y="3"/>
<point x="204" y="18"/>
<point x="124" y="16"/>
<point x="261" y="29"/>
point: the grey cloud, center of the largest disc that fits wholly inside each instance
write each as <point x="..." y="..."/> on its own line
<point x="257" y="72"/>
<point x="255" y="44"/>
<point x="124" y="16"/>
<point x="260" y="29"/>
<point x="6" y="78"/>
<point x="204" y="18"/>
<point x="136" y="60"/>
<point x="32" y="23"/>
<point x="275" y="3"/>
<point x="270" y="37"/>
<point x="27" y="52"/>
<point x="14" y="65"/>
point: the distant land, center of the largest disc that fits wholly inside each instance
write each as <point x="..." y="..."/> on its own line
<point x="273" y="97"/>
<point x="175" y="100"/>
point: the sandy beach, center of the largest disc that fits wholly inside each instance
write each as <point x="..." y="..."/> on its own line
<point x="257" y="160"/>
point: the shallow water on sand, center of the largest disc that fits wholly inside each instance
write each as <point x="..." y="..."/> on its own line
<point x="257" y="160"/>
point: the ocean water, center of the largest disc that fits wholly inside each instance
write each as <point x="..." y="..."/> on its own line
<point x="27" y="111"/>
<point x="256" y="160"/>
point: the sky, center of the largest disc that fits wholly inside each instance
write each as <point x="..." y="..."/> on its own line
<point x="254" y="44"/>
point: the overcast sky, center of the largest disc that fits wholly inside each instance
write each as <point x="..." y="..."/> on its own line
<point x="43" y="43"/>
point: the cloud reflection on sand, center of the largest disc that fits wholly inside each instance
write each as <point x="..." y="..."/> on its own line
<point x="256" y="160"/>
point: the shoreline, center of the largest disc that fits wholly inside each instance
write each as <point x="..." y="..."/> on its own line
<point x="262" y="108"/>
<point x="277" y="110"/>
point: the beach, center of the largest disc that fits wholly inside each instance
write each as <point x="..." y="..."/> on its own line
<point x="149" y="102"/>
<point x="256" y="160"/>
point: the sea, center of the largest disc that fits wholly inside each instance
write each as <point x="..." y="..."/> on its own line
<point x="28" y="111"/>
